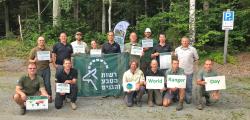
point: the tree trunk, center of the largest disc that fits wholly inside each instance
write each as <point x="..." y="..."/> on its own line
<point x="39" y="15"/>
<point x="110" y="6"/>
<point x="56" y="12"/>
<point x="103" y="17"/>
<point x="162" y="5"/>
<point x="76" y="10"/>
<point x="206" y="7"/>
<point x="192" y="21"/>
<point x="6" y="16"/>
<point x="146" y="7"/>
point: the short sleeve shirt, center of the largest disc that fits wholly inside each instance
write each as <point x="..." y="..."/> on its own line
<point x="187" y="56"/>
<point x="161" y="49"/>
<point x="136" y="77"/>
<point x="81" y="47"/>
<point x="151" y="73"/>
<point x="40" y="64"/>
<point x="62" y="52"/>
<point x="30" y="87"/>
<point x="147" y="54"/>
<point x="63" y="76"/>
<point x="202" y="74"/>
<point x="108" y="48"/>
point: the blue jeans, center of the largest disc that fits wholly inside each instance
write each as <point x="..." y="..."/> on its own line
<point x="45" y="74"/>
<point x="189" y="86"/>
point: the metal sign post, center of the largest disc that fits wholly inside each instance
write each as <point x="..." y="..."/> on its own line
<point x="227" y="24"/>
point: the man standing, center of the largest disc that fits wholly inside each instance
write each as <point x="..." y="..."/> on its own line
<point x="79" y="46"/>
<point x="154" y="95"/>
<point x="187" y="55"/>
<point x="43" y="68"/>
<point x="173" y="92"/>
<point x="61" y="50"/>
<point x="146" y="57"/>
<point x="134" y="74"/>
<point x="160" y="48"/>
<point x="67" y="76"/>
<point x="207" y="71"/>
<point x="111" y="46"/>
<point x="128" y="46"/>
<point x="29" y="85"/>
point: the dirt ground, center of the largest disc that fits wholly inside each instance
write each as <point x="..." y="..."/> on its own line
<point x="234" y="103"/>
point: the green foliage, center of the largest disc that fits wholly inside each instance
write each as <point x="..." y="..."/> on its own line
<point x="11" y="48"/>
<point x="217" y="56"/>
<point x="66" y="5"/>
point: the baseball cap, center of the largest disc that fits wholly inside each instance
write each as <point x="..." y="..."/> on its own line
<point x="147" y="30"/>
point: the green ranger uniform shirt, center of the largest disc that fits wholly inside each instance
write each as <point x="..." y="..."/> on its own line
<point x="147" y="54"/>
<point x="31" y="87"/>
<point x="202" y="74"/>
<point x="180" y="71"/>
<point x="127" y="49"/>
<point x="41" y="65"/>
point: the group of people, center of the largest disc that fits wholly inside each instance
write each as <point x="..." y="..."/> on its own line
<point x="37" y="81"/>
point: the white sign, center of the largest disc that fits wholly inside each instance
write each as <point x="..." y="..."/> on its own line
<point x="78" y="49"/>
<point x="215" y="83"/>
<point x="62" y="88"/>
<point x="147" y="43"/>
<point x="154" y="82"/>
<point x="96" y="52"/>
<point x="129" y="86"/>
<point x="165" y="61"/>
<point x="228" y="20"/>
<point x="135" y="50"/>
<point x="43" y="55"/>
<point x="36" y="102"/>
<point x="176" y="81"/>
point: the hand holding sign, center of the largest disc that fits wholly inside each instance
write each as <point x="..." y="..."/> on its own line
<point x="37" y="102"/>
<point x="154" y="82"/>
<point x="176" y="81"/>
<point x="43" y="55"/>
<point x="129" y="86"/>
<point x="215" y="83"/>
<point x="62" y="88"/>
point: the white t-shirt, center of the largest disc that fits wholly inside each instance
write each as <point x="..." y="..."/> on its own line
<point x="186" y="57"/>
<point x="81" y="47"/>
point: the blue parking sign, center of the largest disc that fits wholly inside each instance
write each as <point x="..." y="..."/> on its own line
<point x="228" y="20"/>
<point x="228" y="16"/>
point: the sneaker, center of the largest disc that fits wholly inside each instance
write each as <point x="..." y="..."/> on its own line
<point x="73" y="105"/>
<point x="179" y="106"/>
<point x="200" y="107"/>
<point x="22" y="110"/>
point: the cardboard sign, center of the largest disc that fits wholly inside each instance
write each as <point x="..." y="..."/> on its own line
<point x="165" y="60"/>
<point x="154" y="82"/>
<point x="95" y="52"/>
<point x="215" y="83"/>
<point x="129" y="86"/>
<point x="147" y="43"/>
<point x="62" y="88"/>
<point x="176" y="81"/>
<point x="36" y="103"/>
<point x="135" y="50"/>
<point x="43" y="55"/>
<point x="79" y="49"/>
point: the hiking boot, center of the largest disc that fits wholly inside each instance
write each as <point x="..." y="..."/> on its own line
<point x="73" y="106"/>
<point x="139" y="104"/>
<point x="208" y="103"/>
<point x="22" y="110"/>
<point x="200" y="107"/>
<point x="179" y="106"/>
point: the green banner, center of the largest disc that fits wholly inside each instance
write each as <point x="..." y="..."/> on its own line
<point x="100" y="76"/>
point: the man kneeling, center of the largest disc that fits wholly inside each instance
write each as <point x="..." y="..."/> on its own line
<point x="173" y="92"/>
<point x="68" y="76"/>
<point x="29" y="85"/>
<point x="207" y="71"/>
<point x="134" y="74"/>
